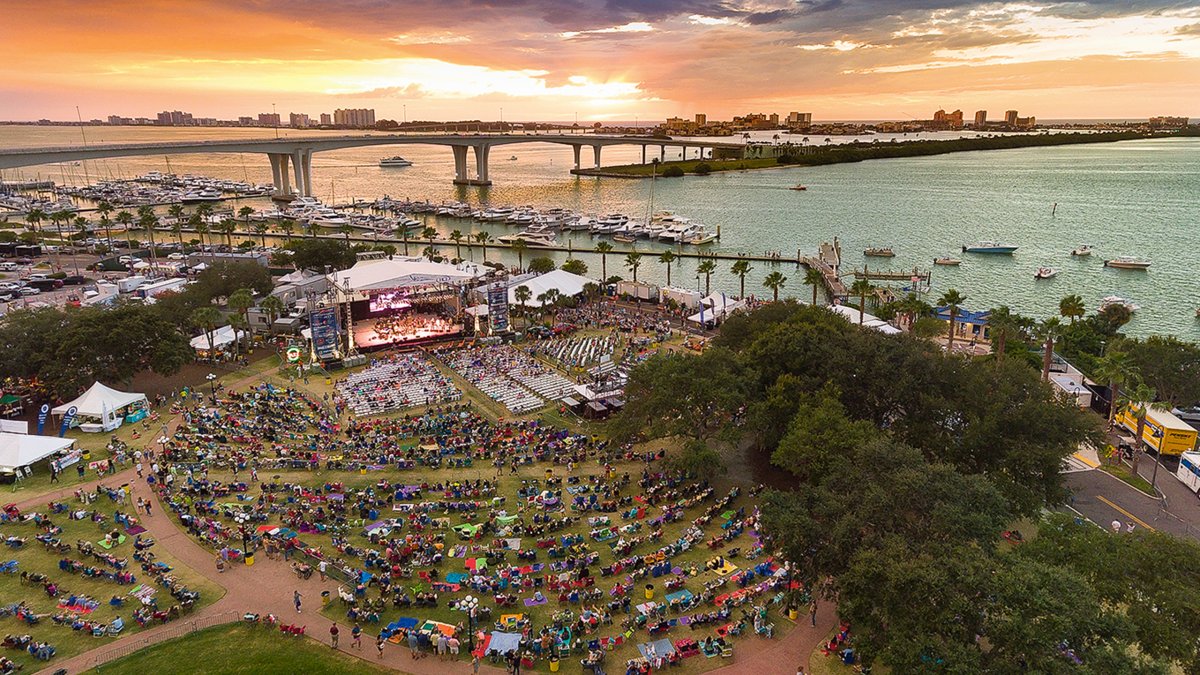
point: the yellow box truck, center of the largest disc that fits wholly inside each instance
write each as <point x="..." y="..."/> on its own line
<point x="1164" y="432"/>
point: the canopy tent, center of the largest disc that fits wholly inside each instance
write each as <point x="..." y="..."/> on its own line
<point x="851" y="314"/>
<point x="719" y="305"/>
<point x="99" y="400"/>
<point x="566" y="283"/>
<point x="222" y="337"/>
<point x="22" y="449"/>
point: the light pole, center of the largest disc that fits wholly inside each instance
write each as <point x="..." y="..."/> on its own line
<point x="212" y="386"/>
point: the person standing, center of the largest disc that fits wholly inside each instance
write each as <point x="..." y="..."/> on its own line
<point x="321" y="569"/>
<point x="379" y="645"/>
<point x="475" y="664"/>
<point x="356" y="633"/>
<point x="333" y="635"/>
<point x="812" y="612"/>
<point x="296" y="599"/>
<point x="413" y="644"/>
<point x="443" y="646"/>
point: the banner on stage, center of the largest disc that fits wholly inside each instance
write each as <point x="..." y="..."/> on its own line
<point x="498" y="307"/>
<point x="323" y="322"/>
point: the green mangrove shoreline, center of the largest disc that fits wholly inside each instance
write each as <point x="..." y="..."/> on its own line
<point x="861" y="152"/>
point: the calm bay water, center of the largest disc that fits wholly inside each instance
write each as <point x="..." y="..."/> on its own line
<point x="1134" y="198"/>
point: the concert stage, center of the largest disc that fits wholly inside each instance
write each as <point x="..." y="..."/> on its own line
<point x="367" y="337"/>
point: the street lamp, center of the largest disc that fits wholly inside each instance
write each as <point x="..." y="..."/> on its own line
<point x="212" y="387"/>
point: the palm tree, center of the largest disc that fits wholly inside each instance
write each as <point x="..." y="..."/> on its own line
<point x="206" y="318"/>
<point x="456" y="236"/>
<point x="287" y="225"/>
<point x="205" y="210"/>
<point x="228" y="227"/>
<point x="197" y="223"/>
<point x="273" y="306"/>
<point x="175" y="211"/>
<point x="125" y="218"/>
<point x="667" y="258"/>
<point x="520" y="247"/>
<point x="345" y="229"/>
<point x="177" y="230"/>
<point x="245" y="212"/>
<point x="1072" y="308"/>
<point x="482" y="237"/>
<point x="1001" y="326"/>
<point x="58" y="218"/>
<point x="633" y="261"/>
<point x="861" y="288"/>
<point x="604" y="248"/>
<point x="104" y="208"/>
<point x="1116" y="369"/>
<point x="1048" y="330"/>
<point x="80" y="224"/>
<point x="149" y="221"/>
<point x="1138" y="403"/>
<point x="741" y="268"/>
<point x="952" y="300"/>
<point x="522" y="295"/>
<point x="260" y="228"/>
<point x="774" y="281"/>
<point x="240" y="301"/>
<point x="707" y="267"/>
<point x="814" y="278"/>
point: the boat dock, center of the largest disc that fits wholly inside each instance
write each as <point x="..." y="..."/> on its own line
<point x="892" y="275"/>
<point x="828" y="261"/>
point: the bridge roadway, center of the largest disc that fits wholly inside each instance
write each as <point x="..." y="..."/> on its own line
<point x="296" y="152"/>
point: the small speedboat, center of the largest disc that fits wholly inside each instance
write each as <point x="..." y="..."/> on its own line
<point x="395" y="160"/>
<point x="952" y="262"/>
<point x="990" y="247"/>
<point x="1082" y="250"/>
<point x="1111" y="300"/>
<point x="800" y="187"/>
<point x="880" y="252"/>
<point x="1045" y="273"/>
<point x="1127" y="263"/>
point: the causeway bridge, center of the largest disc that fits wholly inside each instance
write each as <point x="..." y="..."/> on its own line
<point x="291" y="157"/>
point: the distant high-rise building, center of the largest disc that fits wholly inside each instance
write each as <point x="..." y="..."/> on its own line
<point x="1166" y="122"/>
<point x="1010" y="117"/>
<point x="354" y="117"/>
<point x="268" y="119"/>
<point x="774" y="119"/>
<point x="298" y="120"/>
<point x="701" y="119"/>
<point x="799" y="120"/>
<point x="175" y="118"/>
<point x="980" y="119"/>
<point x="246" y="121"/>
<point x="326" y="119"/>
<point x="945" y="120"/>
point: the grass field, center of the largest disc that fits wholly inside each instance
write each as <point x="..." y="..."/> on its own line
<point x="237" y="649"/>
<point x="34" y="557"/>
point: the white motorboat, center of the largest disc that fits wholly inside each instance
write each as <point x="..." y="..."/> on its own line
<point x="1126" y="262"/>
<point x="1045" y="273"/>
<point x="990" y="247"/>
<point x="530" y="238"/>
<point x="1111" y="300"/>
<point x="201" y="196"/>
<point x="679" y="231"/>
<point x="947" y="261"/>
<point x="1082" y="250"/>
<point x="395" y="160"/>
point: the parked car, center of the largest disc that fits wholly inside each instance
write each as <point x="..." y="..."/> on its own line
<point x="75" y="280"/>
<point x="30" y="290"/>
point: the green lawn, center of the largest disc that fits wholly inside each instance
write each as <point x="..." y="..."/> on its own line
<point x="34" y="557"/>
<point x="237" y="648"/>
<point x="1124" y="473"/>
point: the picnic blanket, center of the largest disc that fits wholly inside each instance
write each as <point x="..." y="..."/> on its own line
<point x="727" y="568"/>
<point x="476" y="564"/>
<point x="467" y="529"/>
<point x="506" y="619"/>
<point x="506" y="520"/>
<point x="456" y="577"/>
<point x="682" y="596"/>
<point x="512" y="544"/>
<point x="728" y="515"/>
<point x="107" y="546"/>
<point x="534" y="602"/>
<point x="502" y="643"/>
<point x="134" y="530"/>
<point x="647" y="607"/>
<point x="661" y="647"/>
<point x="443" y="628"/>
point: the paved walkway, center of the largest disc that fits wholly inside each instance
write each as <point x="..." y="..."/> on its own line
<point x="267" y="587"/>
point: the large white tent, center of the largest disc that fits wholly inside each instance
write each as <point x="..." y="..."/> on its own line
<point x="400" y="272"/>
<point x="566" y="283"/>
<point x="222" y="337"/>
<point x="99" y="400"/>
<point x="851" y="314"/>
<point x="17" y="450"/>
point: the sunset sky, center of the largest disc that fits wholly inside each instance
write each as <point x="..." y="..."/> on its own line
<point x="614" y="59"/>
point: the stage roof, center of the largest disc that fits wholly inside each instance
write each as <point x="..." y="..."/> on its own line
<point x="400" y="272"/>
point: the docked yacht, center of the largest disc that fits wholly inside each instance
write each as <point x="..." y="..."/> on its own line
<point x="990" y="247"/>
<point x="1126" y="262"/>
<point x="531" y="238"/>
<point x="496" y="215"/>
<point x="201" y="196"/>
<point x="395" y="160"/>
<point x="679" y="230"/>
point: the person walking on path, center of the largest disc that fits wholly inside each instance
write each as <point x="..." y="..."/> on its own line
<point x="321" y="569"/>
<point x="413" y="644"/>
<point x="379" y="645"/>
<point x="812" y="612"/>
<point x="333" y="635"/>
<point x="475" y="664"/>
<point x="356" y="633"/>
<point x="296" y="599"/>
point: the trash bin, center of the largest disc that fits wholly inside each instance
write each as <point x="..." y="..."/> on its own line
<point x="649" y="591"/>
<point x="249" y="559"/>
<point x="792" y="613"/>
<point x="324" y="598"/>
<point x="553" y="664"/>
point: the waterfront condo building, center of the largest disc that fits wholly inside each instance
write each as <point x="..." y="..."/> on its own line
<point x="354" y="117"/>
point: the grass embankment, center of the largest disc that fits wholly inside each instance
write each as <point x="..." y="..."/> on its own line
<point x="860" y="151"/>
<point x="1125" y="474"/>
<point x="237" y="648"/>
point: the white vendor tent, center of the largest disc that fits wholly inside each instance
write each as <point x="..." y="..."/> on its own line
<point x="567" y="285"/>
<point x="851" y="314"/>
<point x="222" y="337"/>
<point x="100" y="400"/>
<point x="719" y="307"/>
<point x="18" y="450"/>
<point x="398" y="272"/>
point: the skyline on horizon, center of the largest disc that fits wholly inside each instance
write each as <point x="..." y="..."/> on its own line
<point x="618" y="60"/>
